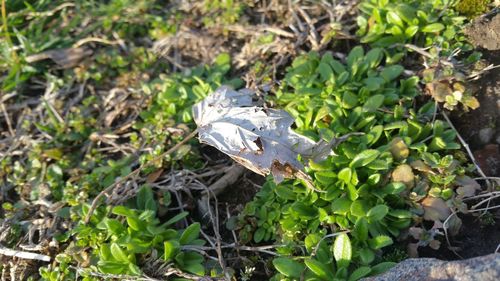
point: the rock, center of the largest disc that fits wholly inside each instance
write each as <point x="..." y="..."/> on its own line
<point x="486" y="135"/>
<point x="485" y="268"/>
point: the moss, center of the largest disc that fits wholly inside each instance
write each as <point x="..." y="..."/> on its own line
<point x="472" y="8"/>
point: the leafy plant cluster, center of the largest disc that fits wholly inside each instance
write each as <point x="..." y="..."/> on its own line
<point x="47" y="25"/>
<point x="119" y="239"/>
<point x="402" y="173"/>
<point x="377" y="184"/>
<point x="58" y="170"/>
<point x="115" y="247"/>
<point x="383" y="23"/>
<point x="432" y="25"/>
<point x="222" y="12"/>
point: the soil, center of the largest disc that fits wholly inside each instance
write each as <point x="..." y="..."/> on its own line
<point x="480" y="129"/>
<point x="477" y="237"/>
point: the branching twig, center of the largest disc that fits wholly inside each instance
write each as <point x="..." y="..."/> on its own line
<point x="445" y="228"/>
<point x="135" y="172"/>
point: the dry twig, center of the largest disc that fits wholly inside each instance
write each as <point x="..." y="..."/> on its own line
<point x="134" y="173"/>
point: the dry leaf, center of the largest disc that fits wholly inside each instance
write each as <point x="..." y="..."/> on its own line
<point x="435" y="244"/>
<point x="65" y="58"/>
<point x="420" y="166"/>
<point x="403" y="173"/>
<point x="412" y="250"/>
<point x="454" y="225"/>
<point x="151" y="178"/>
<point x="258" y="138"/>
<point x="435" y="209"/>
<point x="416" y="232"/>
<point x="467" y="186"/>
<point x="438" y="90"/>
<point x="399" y="149"/>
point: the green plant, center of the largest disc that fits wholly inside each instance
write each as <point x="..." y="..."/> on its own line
<point x="448" y="86"/>
<point x="472" y="8"/>
<point x="119" y="242"/>
<point x="222" y="11"/>
<point x="368" y="186"/>
<point x="425" y="23"/>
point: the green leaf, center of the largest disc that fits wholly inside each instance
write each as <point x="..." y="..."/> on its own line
<point x="377" y="213"/>
<point x="345" y="175"/>
<point x="195" y="268"/>
<point x="285" y="192"/>
<point x="341" y="206"/>
<point x="114" y="226"/>
<point x="349" y="100"/>
<point x="361" y="229"/>
<point x="311" y="241"/>
<point x="380" y="241"/>
<point x="373" y="83"/>
<point x="192" y="258"/>
<point x="373" y="57"/>
<point x="190" y="234"/>
<point x="410" y="31"/>
<point x="304" y="211"/>
<point x="359" y="208"/>
<point x="135" y="223"/>
<point x="112" y="267"/>
<point x="118" y="253"/>
<point x="133" y="269"/>
<point x="394" y="188"/>
<point x="175" y="219"/>
<point x="360" y="273"/>
<point x="407" y="13"/>
<point x="320" y="269"/>
<point x="342" y="250"/>
<point x="342" y="78"/>
<point x="378" y="164"/>
<point x="401" y="214"/>
<point x="393" y="18"/>
<point x="145" y="199"/>
<point x="172" y="247"/>
<point x="123" y="211"/>
<point x="354" y="55"/>
<point x="366" y="255"/>
<point x="325" y="71"/>
<point x="382" y="267"/>
<point x="364" y="158"/>
<point x="433" y="28"/>
<point x="259" y="234"/>
<point x="373" y="103"/>
<point x="392" y="72"/>
<point x="288" y="267"/>
<point x="338" y="67"/>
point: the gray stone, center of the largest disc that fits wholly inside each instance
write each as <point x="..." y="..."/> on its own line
<point x="485" y="268"/>
<point x="486" y="135"/>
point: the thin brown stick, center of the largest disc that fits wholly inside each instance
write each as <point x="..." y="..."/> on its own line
<point x="135" y="172"/>
<point x="23" y="254"/>
<point x="445" y="228"/>
<point x="466" y="146"/>
<point x="7" y="120"/>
